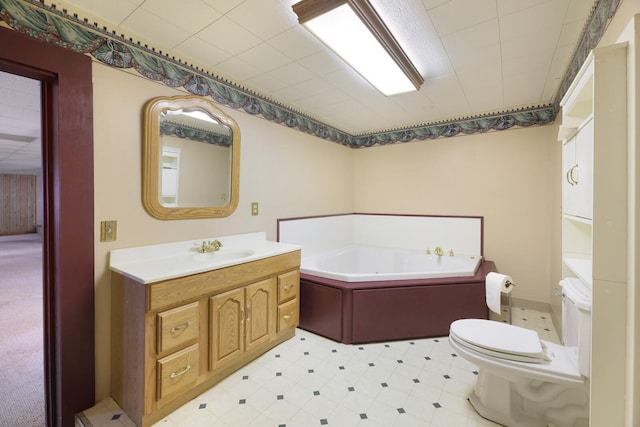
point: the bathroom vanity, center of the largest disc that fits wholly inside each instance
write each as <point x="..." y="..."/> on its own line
<point x="182" y="320"/>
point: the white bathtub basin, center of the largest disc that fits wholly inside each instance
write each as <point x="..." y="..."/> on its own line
<point x="371" y="264"/>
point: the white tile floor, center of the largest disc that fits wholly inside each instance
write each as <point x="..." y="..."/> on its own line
<point x="313" y="381"/>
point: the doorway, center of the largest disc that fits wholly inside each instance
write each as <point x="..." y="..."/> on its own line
<point x="22" y="396"/>
<point x="68" y="236"/>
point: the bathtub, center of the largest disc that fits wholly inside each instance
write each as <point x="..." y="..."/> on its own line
<point x="354" y="291"/>
<point x="374" y="264"/>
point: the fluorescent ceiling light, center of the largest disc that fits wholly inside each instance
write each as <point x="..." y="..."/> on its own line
<point x="354" y="31"/>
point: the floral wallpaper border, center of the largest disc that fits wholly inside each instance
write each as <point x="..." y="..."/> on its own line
<point x="38" y="20"/>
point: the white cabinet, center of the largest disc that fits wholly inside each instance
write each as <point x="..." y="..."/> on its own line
<point x="593" y="135"/>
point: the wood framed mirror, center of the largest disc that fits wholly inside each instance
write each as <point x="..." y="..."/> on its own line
<point x="191" y="159"/>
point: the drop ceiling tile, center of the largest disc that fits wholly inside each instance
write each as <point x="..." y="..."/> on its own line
<point x="539" y="24"/>
<point x="236" y="69"/>
<point x="328" y="96"/>
<point x="165" y="35"/>
<point x="113" y="11"/>
<point x="219" y="34"/>
<point x="507" y="7"/>
<point x="208" y="55"/>
<point x="430" y="4"/>
<point x="523" y="88"/>
<point x="266" y="82"/>
<point x="466" y="47"/>
<point x="292" y="73"/>
<point x="449" y="17"/>
<point x="447" y="94"/>
<point x="320" y="89"/>
<point x="265" y="19"/>
<point x="296" y="43"/>
<point x="578" y="10"/>
<point x="223" y="6"/>
<point x="569" y="34"/>
<point x="536" y="63"/>
<point x="188" y="16"/>
<point x="483" y="89"/>
<point x="322" y="63"/>
<point x="264" y="57"/>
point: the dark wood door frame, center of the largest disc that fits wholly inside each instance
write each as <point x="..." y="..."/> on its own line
<point x="68" y="248"/>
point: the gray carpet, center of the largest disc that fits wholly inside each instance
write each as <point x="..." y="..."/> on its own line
<point x="21" y="332"/>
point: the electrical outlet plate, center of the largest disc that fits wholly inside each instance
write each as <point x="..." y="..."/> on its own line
<point x="108" y="231"/>
<point x="254" y="208"/>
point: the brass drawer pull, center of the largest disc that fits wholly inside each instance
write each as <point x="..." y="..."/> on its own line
<point x="287" y="317"/>
<point x="181" y="372"/>
<point x="287" y="288"/>
<point x="180" y="328"/>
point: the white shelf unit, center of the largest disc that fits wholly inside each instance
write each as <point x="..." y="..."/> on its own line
<point x="594" y="214"/>
<point x="593" y="135"/>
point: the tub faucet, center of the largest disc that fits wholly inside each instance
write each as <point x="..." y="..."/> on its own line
<point x="438" y="251"/>
<point x="210" y="246"/>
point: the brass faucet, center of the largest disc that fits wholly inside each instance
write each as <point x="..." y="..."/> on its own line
<point x="210" y="246"/>
<point x="438" y="251"/>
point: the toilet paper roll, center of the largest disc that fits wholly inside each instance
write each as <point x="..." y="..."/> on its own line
<point x="495" y="285"/>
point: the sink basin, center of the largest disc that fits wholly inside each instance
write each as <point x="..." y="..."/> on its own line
<point x="224" y="255"/>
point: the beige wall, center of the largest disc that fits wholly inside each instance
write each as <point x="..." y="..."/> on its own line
<point x="288" y="173"/>
<point x="511" y="178"/>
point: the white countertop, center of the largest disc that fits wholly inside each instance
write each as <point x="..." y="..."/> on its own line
<point x="154" y="263"/>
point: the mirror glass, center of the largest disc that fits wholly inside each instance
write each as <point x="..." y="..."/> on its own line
<point x="191" y="159"/>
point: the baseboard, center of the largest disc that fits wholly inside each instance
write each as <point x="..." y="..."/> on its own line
<point x="525" y="303"/>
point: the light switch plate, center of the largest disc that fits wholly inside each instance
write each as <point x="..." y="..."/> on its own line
<point x="108" y="230"/>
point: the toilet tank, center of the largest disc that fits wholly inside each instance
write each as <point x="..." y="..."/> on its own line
<point x="576" y="322"/>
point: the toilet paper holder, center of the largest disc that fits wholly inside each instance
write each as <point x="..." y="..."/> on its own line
<point x="508" y="284"/>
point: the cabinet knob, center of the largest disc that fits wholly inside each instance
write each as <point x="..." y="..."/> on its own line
<point x="287" y="288"/>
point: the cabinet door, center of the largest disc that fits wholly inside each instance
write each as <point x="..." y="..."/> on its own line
<point x="577" y="168"/>
<point x="226" y="325"/>
<point x="259" y="325"/>
<point x="584" y="176"/>
<point x="568" y="170"/>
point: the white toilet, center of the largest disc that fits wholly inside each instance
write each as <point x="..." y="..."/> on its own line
<point x="527" y="382"/>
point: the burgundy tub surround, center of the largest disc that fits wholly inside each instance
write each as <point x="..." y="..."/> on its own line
<point x="360" y="312"/>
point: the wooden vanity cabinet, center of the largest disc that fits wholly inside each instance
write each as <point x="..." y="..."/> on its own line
<point x="174" y="339"/>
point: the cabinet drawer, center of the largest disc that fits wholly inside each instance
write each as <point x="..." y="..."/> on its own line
<point x="288" y="285"/>
<point x="178" y="327"/>
<point x="288" y="315"/>
<point x="178" y="371"/>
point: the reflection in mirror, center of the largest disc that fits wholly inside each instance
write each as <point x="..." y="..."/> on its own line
<point x="191" y="159"/>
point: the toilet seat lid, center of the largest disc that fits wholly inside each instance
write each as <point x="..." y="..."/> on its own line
<point x="500" y="339"/>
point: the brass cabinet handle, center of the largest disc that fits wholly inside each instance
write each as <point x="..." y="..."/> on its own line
<point x="286" y="317"/>
<point x="571" y="174"/>
<point x="287" y="288"/>
<point x="180" y="372"/>
<point x="180" y="328"/>
<point x="571" y="179"/>
<point x="567" y="177"/>
<point x="248" y="312"/>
